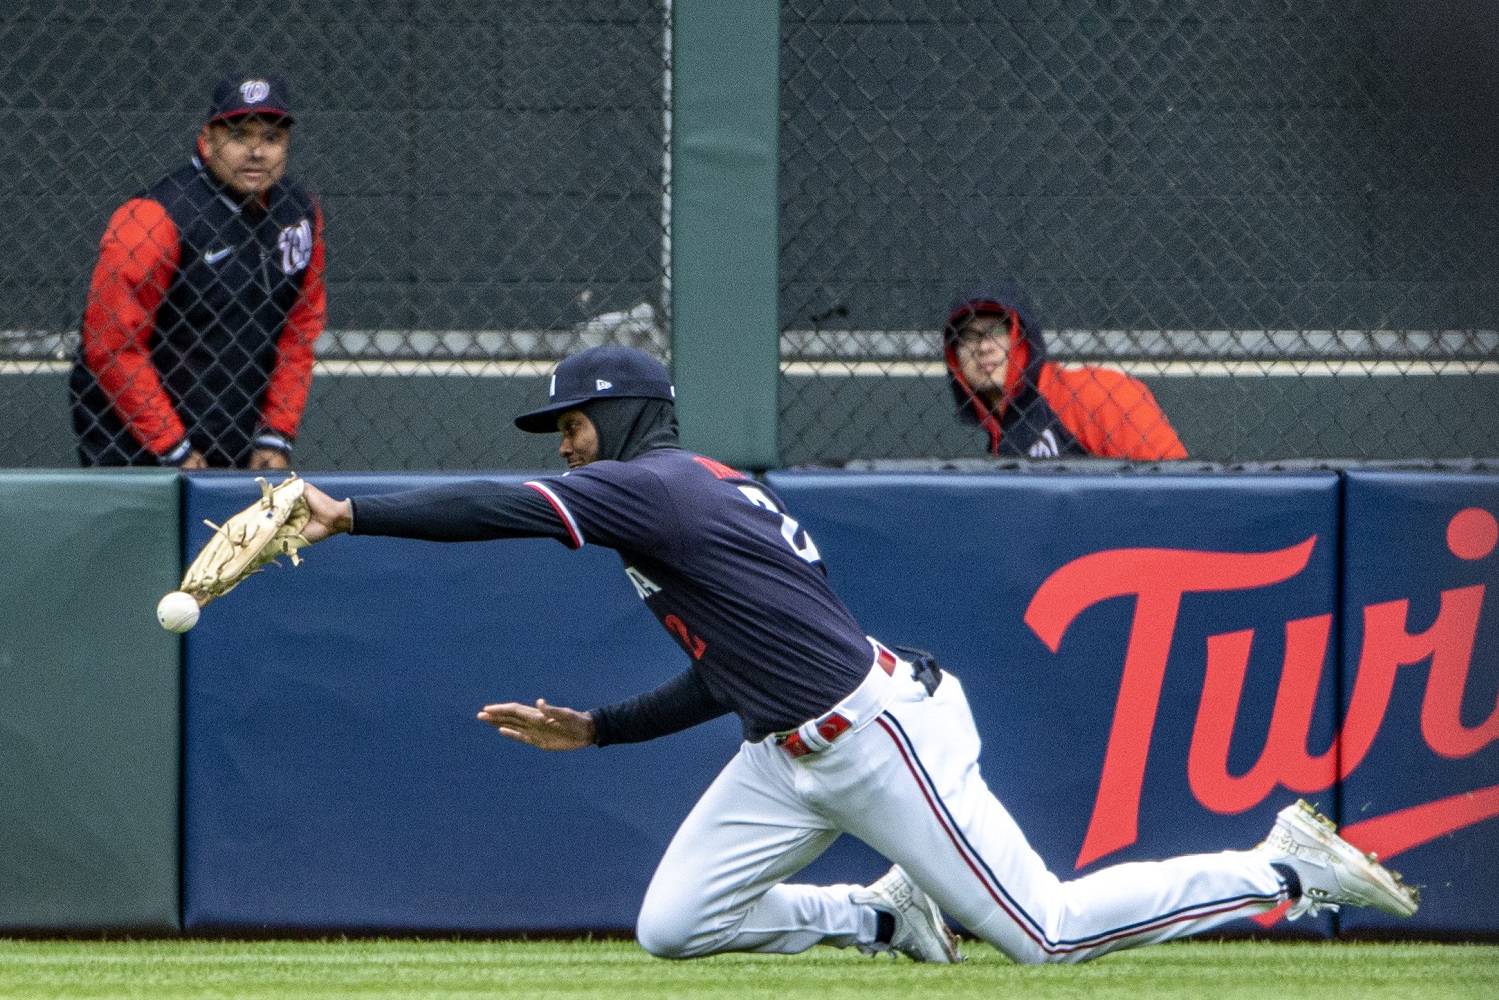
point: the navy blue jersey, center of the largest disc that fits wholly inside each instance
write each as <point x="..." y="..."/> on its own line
<point x="729" y="573"/>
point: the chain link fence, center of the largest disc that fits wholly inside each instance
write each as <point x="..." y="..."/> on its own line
<point x="1282" y="219"/>
<point x="493" y="178"/>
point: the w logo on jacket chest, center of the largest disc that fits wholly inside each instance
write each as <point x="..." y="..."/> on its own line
<point x="295" y="243"/>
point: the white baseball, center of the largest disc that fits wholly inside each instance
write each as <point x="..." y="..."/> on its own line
<point x="177" y="612"/>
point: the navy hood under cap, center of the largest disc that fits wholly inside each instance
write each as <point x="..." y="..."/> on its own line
<point x="629" y="427"/>
<point x="611" y="371"/>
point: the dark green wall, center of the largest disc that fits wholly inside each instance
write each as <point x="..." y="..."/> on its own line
<point x="89" y="696"/>
<point x="725" y="333"/>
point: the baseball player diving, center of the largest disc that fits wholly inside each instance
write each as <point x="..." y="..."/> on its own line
<point x="842" y="734"/>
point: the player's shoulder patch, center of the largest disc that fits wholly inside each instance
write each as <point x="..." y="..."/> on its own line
<point x="718" y="469"/>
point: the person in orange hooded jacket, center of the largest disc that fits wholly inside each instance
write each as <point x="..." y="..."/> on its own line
<point x="1033" y="407"/>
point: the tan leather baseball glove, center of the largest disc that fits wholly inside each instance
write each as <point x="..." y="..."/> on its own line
<point x="269" y="528"/>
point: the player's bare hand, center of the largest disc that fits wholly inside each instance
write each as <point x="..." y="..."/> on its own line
<point x="549" y="727"/>
<point x="194" y="460"/>
<point x="268" y="458"/>
<point x="329" y="516"/>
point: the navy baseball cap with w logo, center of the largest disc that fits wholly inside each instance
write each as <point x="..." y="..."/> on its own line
<point x="256" y="95"/>
<point x="608" y="372"/>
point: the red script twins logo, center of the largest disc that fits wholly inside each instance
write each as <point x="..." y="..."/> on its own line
<point x="1158" y="578"/>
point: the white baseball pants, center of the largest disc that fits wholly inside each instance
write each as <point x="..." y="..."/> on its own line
<point x="906" y="782"/>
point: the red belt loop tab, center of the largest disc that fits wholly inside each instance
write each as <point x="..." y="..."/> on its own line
<point x="885" y="659"/>
<point x="828" y="729"/>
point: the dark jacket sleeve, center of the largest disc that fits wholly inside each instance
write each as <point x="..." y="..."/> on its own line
<point x="680" y="703"/>
<point x="473" y="511"/>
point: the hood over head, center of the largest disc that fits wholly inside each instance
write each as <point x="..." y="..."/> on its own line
<point x="1027" y="347"/>
<point x="628" y="427"/>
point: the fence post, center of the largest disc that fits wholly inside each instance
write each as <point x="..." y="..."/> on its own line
<point x="725" y="247"/>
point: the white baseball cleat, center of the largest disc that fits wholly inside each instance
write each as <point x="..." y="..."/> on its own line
<point x="921" y="933"/>
<point x="1333" y="872"/>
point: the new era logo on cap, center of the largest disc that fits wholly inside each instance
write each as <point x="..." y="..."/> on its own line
<point x="601" y="384"/>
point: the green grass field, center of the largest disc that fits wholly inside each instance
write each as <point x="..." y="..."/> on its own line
<point x="617" y="970"/>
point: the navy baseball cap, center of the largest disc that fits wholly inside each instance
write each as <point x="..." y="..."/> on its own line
<point x="608" y="372"/>
<point x="256" y="95"/>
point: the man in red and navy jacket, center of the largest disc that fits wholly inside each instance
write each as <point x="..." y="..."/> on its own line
<point x="208" y="295"/>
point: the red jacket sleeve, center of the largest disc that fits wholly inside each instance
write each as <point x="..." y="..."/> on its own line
<point x="1110" y="413"/>
<point x="137" y="261"/>
<point x="286" y="396"/>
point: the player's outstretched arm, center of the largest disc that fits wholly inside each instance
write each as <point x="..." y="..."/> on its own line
<point x="329" y="516"/>
<point x="549" y="727"/>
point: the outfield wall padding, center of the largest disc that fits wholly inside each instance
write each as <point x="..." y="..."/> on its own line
<point x="1088" y="703"/>
<point x="88" y="702"/>
<point x="336" y="775"/>
<point x="1157" y="664"/>
<point x="1421" y="603"/>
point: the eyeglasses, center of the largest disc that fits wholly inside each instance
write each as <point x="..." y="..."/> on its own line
<point x="970" y="337"/>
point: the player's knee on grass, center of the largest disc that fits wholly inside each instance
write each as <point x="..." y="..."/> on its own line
<point x="668" y="933"/>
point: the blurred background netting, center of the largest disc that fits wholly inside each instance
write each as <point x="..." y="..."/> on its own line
<point x="1282" y="217"/>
